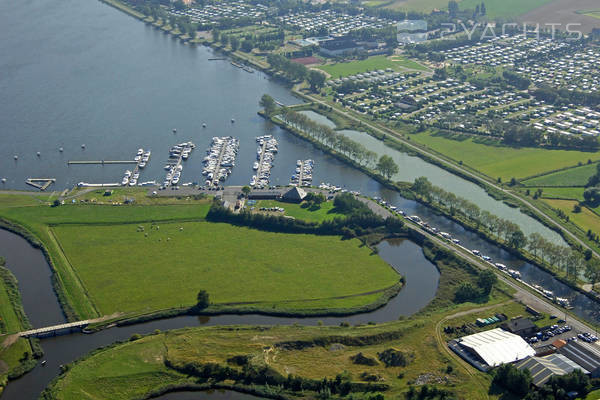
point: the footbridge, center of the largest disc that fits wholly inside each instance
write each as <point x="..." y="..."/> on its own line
<point x="55" y="329"/>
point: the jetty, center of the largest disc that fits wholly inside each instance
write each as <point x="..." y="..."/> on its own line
<point x="40" y="183"/>
<point x="102" y="162"/>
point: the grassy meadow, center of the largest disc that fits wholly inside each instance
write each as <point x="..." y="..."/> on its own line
<point x="127" y="270"/>
<point x="496" y="160"/>
<point x="577" y="176"/>
<point x="396" y="63"/>
<point x="495" y="8"/>
<point x="586" y="219"/>
<point x="566" y="193"/>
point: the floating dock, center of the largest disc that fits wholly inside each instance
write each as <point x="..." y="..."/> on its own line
<point x="220" y="159"/>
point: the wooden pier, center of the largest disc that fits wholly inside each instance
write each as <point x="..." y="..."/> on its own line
<point x="40" y="183"/>
<point x="101" y="162"/>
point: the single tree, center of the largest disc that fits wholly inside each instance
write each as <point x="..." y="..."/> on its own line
<point x="246" y="190"/>
<point x="202" y="299"/>
<point x="268" y="103"/>
<point x="387" y="166"/>
<point x="486" y="281"/>
<point x="453" y="8"/>
<point x="482" y="8"/>
<point x="316" y="79"/>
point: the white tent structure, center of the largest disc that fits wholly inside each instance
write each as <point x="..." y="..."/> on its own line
<point x="497" y="346"/>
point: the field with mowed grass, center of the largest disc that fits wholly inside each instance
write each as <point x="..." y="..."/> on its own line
<point x="375" y="63"/>
<point x="496" y="160"/>
<point x="504" y="8"/>
<point x="145" y="267"/>
<point x="586" y="219"/>
<point x="577" y="176"/>
<point x="567" y="193"/>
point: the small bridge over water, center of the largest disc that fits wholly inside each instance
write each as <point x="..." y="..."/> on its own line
<point x="56" y="329"/>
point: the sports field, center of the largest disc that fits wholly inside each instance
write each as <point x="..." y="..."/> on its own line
<point x="126" y="269"/>
<point x="496" y="160"/>
<point x="577" y="176"/>
<point x="375" y="63"/>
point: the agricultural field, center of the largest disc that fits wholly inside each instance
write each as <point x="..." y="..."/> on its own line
<point x="396" y="63"/>
<point x="595" y="14"/>
<point x="302" y="211"/>
<point x="577" y="176"/>
<point x="566" y="193"/>
<point x="495" y="8"/>
<point x="586" y="219"/>
<point x="496" y="160"/>
<point x="152" y="267"/>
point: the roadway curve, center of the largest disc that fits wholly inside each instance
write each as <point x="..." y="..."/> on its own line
<point x="418" y="149"/>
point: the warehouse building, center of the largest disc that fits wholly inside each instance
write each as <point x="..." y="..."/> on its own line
<point x="543" y="368"/>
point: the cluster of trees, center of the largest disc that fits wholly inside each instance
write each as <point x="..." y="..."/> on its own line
<point x="427" y="392"/>
<point x="358" y="221"/>
<point x="519" y="382"/>
<point x="469" y="292"/>
<point x="385" y="165"/>
<point x="570" y="261"/>
<point x="563" y="96"/>
<point x="291" y="70"/>
<point x="517" y="80"/>
<point x="247" y="42"/>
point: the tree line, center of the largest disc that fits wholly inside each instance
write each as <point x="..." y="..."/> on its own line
<point x="385" y="165"/>
<point x="570" y="261"/>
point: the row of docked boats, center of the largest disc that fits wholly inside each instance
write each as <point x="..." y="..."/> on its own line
<point x="142" y="157"/>
<point x="265" y="155"/>
<point x="220" y="159"/>
<point x="131" y="177"/>
<point x="174" y="167"/>
<point x="515" y="274"/>
<point x="303" y="173"/>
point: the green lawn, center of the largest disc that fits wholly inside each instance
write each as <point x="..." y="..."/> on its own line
<point x="125" y="270"/>
<point x="577" y="176"/>
<point x="302" y="211"/>
<point x="495" y="8"/>
<point x="504" y="8"/>
<point x="397" y="63"/>
<point x="567" y="193"/>
<point x="496" y="160"/>
<point x="595" y="395"/>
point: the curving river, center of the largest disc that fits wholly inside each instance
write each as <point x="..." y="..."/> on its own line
<point x="114" y="84"/>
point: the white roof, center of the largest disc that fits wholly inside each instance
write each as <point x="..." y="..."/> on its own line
<point x="498" y="346"/>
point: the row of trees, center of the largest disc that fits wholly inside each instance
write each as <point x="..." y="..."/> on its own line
<point x="570" y="261"/>
<point x="385" y="165"/>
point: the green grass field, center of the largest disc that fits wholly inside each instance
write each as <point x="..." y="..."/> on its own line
<point x="496" y="160"/>
<point x="125" y="270"/>
<point x="302" y="211"/>
<point x="396" y="63"/>
<point x="594" y="14"/>
<point x="586" y="219"/>
<point x="567" y="193"/>
<point x="495" y="8"/>
<point x="577" y="176"/>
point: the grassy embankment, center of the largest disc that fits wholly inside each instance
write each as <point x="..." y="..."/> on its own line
<point x="136" y="368"/>
<point x="16" y="356"/>
<point x="101" y="253"/>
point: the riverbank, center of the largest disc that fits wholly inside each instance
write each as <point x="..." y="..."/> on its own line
<point x="17" y="355"/>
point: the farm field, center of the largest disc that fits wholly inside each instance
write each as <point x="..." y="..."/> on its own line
<point x="595" y="14"/>
<point x="577" y="176"/>
<point x="504" y="8"/>
<point x="302" y="211"/>
<point x="586" y="219"/>
<point x="505" y="162"/>
<point x="165" y="267"/>
<point x="568" y="193"/>
<point x="372" y="63"/>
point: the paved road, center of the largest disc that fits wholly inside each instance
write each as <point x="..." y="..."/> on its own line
<point x="464" y="171"/>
